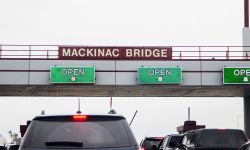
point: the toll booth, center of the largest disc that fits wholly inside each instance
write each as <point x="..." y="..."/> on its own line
<point x="189" y="125"/>
<point x="23" y="128"/>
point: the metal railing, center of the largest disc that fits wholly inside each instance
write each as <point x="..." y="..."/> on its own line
<point x="178" y="52"/>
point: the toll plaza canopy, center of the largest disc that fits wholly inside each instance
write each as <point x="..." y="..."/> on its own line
<point x="69" y="70"/>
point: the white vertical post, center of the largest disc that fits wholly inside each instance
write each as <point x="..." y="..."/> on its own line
<point x="188" y="113"/>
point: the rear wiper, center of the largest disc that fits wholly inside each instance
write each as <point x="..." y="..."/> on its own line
<point x="64" y="143"/>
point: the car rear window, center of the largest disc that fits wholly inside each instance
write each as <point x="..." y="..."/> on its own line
<point x="221" y="138"/>
<point x="150" y="142"/>
<point x="92" y="134"/>
<point x="176" y="139"/>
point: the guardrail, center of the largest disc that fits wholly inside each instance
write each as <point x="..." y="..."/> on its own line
<point x="178" y="52"/>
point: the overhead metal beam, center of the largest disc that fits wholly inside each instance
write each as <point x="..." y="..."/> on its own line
<point x="122" y="91"/>
<point x="246" y="13"/>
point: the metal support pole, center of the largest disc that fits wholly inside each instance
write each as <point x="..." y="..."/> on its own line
<point x="199" y="52"/>
<point x="246" y="13"/>
<point x="0" y="51"/>
<point x="247" y="115"/>
<point x="227" y="53"/>
<point x="29" y="65"/>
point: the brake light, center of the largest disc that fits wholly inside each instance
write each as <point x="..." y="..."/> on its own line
<point x="79" y="117"/>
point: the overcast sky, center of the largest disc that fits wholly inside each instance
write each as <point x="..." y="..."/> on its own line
<point x="121" y="22"/>
<point x="124" y="22"/>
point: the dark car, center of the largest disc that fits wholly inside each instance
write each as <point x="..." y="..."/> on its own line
<point x="170" y="142"/>
<point x="76" y="132"/>
<point x="214" y="139"/>
<point x="245" y="146"/>
<point x="12" y="147"/>
<point x="2" y="148"/>
<point x="150" y="143"/>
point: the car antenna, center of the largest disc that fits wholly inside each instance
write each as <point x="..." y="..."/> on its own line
<point x="111" y="111"/>
<point x="133" y="118"/>
<point x="110" y="103"/>
<point x="79" y="106"/>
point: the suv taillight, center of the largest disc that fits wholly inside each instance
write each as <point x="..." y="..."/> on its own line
<point x="79" y="117"/>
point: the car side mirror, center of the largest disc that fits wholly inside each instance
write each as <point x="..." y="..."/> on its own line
<point x="172" y="144"/>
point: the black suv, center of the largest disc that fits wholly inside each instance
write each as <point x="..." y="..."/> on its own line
<point x="214" y="139"/>
<point x="95" y="132"/>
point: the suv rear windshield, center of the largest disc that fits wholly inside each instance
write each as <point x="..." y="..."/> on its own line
<point x="221" y="138"/>
<point x="91" y="134"/>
